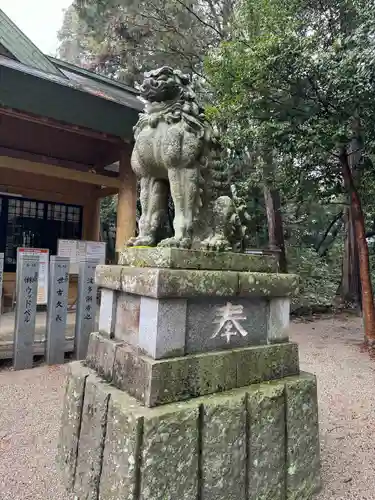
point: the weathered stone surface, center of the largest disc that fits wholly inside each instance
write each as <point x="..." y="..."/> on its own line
<point x="169" y="283"/>
<point x="196" y="449"/>
<point x="169" y="467"/>
<point x="107" y="313"/>
<point x="278" y="320"/>
<point x="266" y="465"/>
<point x="264" y="363"/>
<point x="157" y="382"/>
<point x="127" y="318"/>
<point x="91" y="439"/>
<point x="132" y="373"/>
<point x="101" y="355"/>
<point x="217" y="323"/>
<point x="162" y="327"/>
<point x="108" y="276"/>
<point x="267" y="285"/>
<point x="92" y="347"/>
<point x="184" y="283"/>
<point x="180" y="258"/>
<point x="223" y="445"/>
<point x="302" y="430"/>
<point x="71" y="421"/>
<point x="121" y="459"/>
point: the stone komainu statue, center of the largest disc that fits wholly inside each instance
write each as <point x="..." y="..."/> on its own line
<point x="175" y="144"/>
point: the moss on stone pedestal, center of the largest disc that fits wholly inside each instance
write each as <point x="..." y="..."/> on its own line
<point x="179" y="258"/>
<point x="157" y="382"/>
<point x="180" y="283"/>
<point x="221" y="447"/>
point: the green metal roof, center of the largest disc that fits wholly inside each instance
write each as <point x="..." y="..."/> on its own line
<point x="22" y="49"/>
<point x="62" y="99"/>
<point x="35" y="83"/>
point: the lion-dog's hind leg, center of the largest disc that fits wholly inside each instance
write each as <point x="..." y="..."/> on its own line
<point x="154" y="199"/>
<point x="184" y="189"/>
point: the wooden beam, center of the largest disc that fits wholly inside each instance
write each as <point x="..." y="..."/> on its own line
<point x="60" y="125"/>
<point x="60" y="172"/>
<point x="127" y="203"/>
<point x="107" y="192"/>
<point x="48" y="160"/>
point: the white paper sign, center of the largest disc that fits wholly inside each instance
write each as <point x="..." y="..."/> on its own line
<point x="76" y="250"/>
<point x="43" y="254"/>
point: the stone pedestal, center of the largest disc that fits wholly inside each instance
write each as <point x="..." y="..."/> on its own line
<point x="191" y="390"/>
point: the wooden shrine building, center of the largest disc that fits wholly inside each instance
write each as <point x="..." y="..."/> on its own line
<point x="62" y="129"/>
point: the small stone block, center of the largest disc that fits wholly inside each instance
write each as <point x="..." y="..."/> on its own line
<point x="162" y="327"/>
<point x="266" y="466"/>
<point x="278" y="320"/>
<point x="127" y="318"/>
<point x="121" y="459"/>
<point x="169" y="466"/>
<point x="179" y="258"/>
<point x="224" y="447"/>
<point x="267" y="285"/>
<point x="157" y="382"/>
<point x="132" y="373"/>
<point x="215" y="323"/>
<point x="101" y="355"/>
<point x="71" y="421"/>
<point x="302" y="429"/>
<point x="92" y="348"/>
<point x="107" y="312"/>
<point x="91" y="439"/>
<point x="267" y="363"/>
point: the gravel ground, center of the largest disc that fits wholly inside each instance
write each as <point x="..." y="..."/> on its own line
<point x="30" y="405"/>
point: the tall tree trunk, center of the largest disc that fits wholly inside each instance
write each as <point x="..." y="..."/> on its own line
<point x="274" y="217"/>
<point x="364" y="264"/>
<point x="349" y="290"/>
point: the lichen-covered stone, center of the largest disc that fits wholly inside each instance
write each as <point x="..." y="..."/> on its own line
<point x="101" y="355"/>
<point x="169" y="466"/>
<point x="267" y="284"/>
<point x="157" y="382"/>
<point x="184" y="283"/>
<point x="91" y="349"/>
<point x="108" y="276"/>
<point x="132" y="373"/>
<point x="224" y="447"/>
<point x="199" y="448"/>
<point x="192" y="376"/>
<point x="302" y="431"/>
<point x="266" y="434"/>
<point x="120" y="478"/>
<point x="91" y="439"/>
<point x="71" y="421"/>
<point x="263" y="363"/>
<point x="180" y="258"/>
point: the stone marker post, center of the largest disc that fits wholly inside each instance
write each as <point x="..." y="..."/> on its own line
<point x="193" y="391"/>
<point x="1" y="281"/>
<point x="86" y="306"/>
<point x="26" y="302"/>
<point x="57" y="310"/>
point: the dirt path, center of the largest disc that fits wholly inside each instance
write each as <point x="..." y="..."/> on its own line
<point x="30" y="405"/>
<point x="346" y="386"/>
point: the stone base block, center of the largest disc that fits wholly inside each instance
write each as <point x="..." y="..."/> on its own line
<point x="180" y="258"/>
<point x="156" y="382"/>
<point x="259" y="442"/>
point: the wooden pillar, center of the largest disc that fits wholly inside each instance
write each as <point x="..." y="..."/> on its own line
<point x="127" y="202"/>
<point x="91" y="217"/>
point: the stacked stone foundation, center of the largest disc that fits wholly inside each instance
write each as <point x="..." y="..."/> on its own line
<point x="183" y="396"/>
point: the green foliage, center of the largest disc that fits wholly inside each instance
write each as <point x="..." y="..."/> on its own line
<point x="124" y="38"/>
